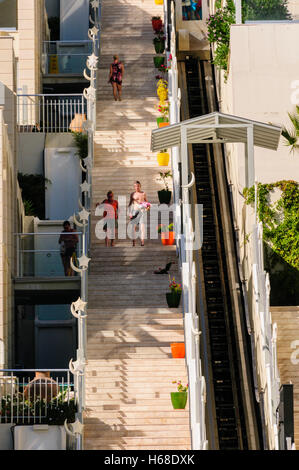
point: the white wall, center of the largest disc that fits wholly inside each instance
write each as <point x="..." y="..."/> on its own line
<point x="263" y="67"/>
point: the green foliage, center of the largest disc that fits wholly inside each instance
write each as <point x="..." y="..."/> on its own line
<point x="162" y="228"/>
<point x="291" y="135"/>
<point x="164" y="177"/>
<point x="219" y="23"/>
<point x="33" y="193"/>
<point x="53" y="412"/>
<point x="81" y="142"/>
<point x="280" y="219"/>
<point x="281" y="238"/>
<point x="266" y="10"/>
<point x="219" y="33"/>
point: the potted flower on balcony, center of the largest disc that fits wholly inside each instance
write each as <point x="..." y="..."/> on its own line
<point x="157" y="23"/>
<point x="174" y="296"/>
<point x="179" y="398"/>
<point x="167" y="234"/>
<point x="164" y="195"/>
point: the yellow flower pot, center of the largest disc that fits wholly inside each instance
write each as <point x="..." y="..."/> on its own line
<point x="163" y="158"/>
<point x="159" y="2"/>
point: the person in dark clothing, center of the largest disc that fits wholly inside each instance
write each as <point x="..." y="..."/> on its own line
<point x="68" y="243"/>
<point x="116" y="75"/>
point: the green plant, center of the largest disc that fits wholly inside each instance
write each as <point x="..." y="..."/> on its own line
<point x="219" y="33"/>
<point x="163" y="228"/>
<point x="33" y="193"/>
<point x="164" y="177"/>
<point x="174" y="286"/>
<point x="280" y="219"/>
<point x="81" y="142"/>
<point x="181" y="388"/>
<point x="266" y="10"/>
<point x="28" y="207"/>
<point x="291" y="136"/>
<point x="53" y="412"/>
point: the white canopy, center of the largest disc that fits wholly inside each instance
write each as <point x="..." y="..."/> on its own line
<point x="216" y="128"/>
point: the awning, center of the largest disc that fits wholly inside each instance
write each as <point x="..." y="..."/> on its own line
<point x="216" y="128"/>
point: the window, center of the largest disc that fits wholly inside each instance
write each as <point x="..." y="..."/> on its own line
<point x="8" y="14"/>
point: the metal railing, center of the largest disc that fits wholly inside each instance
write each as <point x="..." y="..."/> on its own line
<point x="197" y="386"/>
<point x="26" y="398"/>
<point x="39" y="254"/>
<point x="265" y="333"/>
<point x="66" y="57"/>
<point x="51" y="113"/>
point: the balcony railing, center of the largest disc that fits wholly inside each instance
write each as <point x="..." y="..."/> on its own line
<point x="26" y="398"/>
<point x="39" y="254"/>
<point x="51" y="113"/>
<point x="66" y="57"/>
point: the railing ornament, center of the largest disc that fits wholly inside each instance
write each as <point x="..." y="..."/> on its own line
<point x="76" y="428"/>
<point x="77" y="367"/>
<point x="78" y="306"/>
<point x="92" y="61"/>
<point x="87" y="77"/>
<point x="187" y="186"/>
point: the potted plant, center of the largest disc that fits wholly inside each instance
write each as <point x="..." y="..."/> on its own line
<point x="164" y="111"/>
<point x="159" y="62"/>
<point x="157" y="23"/>
<point x="167" y="234"/>
<point x="164" y="195"/>
<point x="159" y="42"/>
<point x="163" y="157"/>
<point x="174" y="296"/>
<point x="179" y="398"/>
<point x="178" y="350"/>
<point x="39" y="420"/>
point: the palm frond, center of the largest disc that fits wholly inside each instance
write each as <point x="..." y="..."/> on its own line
<point x="291" y="138"/>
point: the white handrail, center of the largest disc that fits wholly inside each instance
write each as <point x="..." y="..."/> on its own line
<point x="197" y="390"/>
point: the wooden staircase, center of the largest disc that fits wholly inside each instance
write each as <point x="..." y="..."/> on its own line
<point x="129" y="327"/>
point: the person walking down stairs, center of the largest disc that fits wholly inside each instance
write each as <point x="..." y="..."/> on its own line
<point x="117" y="71"/>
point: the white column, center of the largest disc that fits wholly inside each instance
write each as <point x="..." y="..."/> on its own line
<point x="238" y="5"/>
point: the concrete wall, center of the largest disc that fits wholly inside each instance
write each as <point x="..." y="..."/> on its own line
<point x="262" y="69"/>
<point x="11" y="214"/>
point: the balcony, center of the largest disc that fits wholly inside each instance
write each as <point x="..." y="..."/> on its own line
<point x="39" y="256"/>
<point x="51" y="113"/>
<point x="66" y="57"/>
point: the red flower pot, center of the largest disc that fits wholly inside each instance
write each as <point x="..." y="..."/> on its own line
<point x="157" y="25"/>
<point x="178" y="350"/>
<point x="168" y="238"/>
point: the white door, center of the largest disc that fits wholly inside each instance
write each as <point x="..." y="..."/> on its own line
<point x="63" y="170"/>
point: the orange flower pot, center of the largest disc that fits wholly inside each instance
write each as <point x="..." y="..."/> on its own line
<point x="168" y="238"/>
<point x="178" y="350"/>
<point x="163" y="124"/>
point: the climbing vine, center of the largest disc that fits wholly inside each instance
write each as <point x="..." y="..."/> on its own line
<point x="280" y="219"/>
<point x="281" y="238"/>
<point x="219" y="33"/>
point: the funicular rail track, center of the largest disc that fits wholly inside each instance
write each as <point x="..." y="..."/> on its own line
<point x="231" y="429"/>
